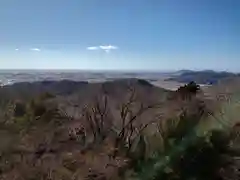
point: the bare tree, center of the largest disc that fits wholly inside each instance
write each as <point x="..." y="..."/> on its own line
<point x="97" y="119"/>
<point x="99" y="122"/>
<point x="131" y="127"/>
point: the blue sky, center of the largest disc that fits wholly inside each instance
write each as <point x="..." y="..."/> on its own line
<point x="122" y="35"/>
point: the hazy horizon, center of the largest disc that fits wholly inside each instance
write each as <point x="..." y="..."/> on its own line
<point x="115" y="70"/>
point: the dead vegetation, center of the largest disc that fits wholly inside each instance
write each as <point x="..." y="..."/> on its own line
<point x="40" y="141"/>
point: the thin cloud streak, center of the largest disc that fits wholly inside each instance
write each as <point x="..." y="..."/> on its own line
<point x="35" y="49"/>
<point x="107" y="48"/>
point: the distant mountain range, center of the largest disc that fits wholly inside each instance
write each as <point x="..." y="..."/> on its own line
<point x="8" y="77"/>
<point x="201" y="77"/>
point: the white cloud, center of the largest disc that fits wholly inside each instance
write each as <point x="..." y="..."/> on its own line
<point x="16" y="49"/>
<point x="93" y="48"/>
<point x="107" y="48"/>
<point x="35" y="49"/>
<point x="110" y="47"/>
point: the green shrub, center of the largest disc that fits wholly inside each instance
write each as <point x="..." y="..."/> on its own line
<point x="186" y="155"/>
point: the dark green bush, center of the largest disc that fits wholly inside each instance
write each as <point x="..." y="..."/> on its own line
<point x="188" y="90"/>
<point x="39" y="109"/>
<point x="19" y="109"/>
